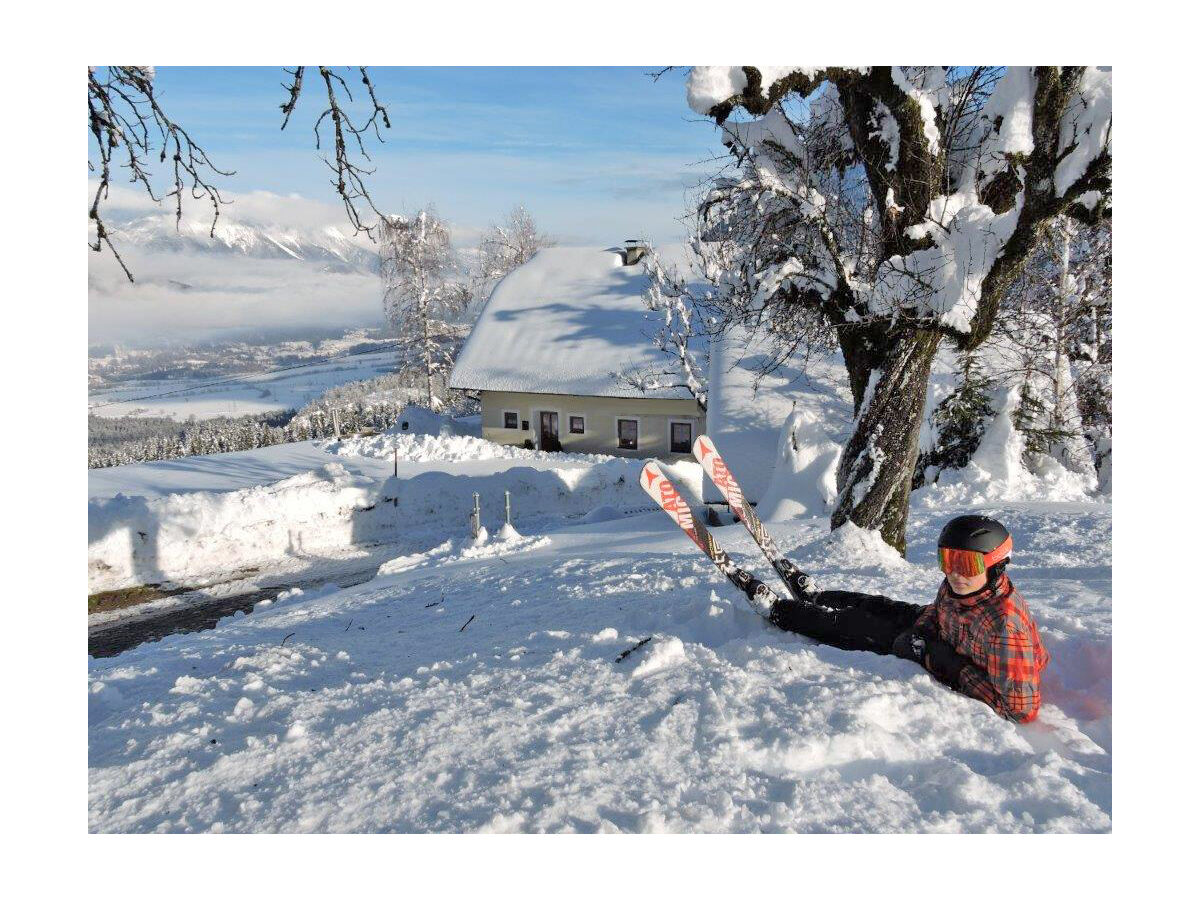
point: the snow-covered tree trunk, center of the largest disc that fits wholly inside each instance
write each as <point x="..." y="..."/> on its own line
<point x="889" y="379"/>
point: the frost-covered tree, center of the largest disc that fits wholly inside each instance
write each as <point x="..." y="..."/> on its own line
<point x="1053" y="341"/>
<point x="506" y="245"/>
<point x="669" y="295"/>
<point x="421" y="297"/>
<point x="895" y="206"/>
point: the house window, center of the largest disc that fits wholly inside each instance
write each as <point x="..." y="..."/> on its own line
<point x="627" y="434"/>
<point x="510" y="419"/>
<point x="681" y="437"/>
<point x="576" y="424"/>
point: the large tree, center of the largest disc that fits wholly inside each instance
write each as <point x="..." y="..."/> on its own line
<point x="894" y="205"/>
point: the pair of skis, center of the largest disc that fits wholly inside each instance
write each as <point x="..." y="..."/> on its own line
<point x="667" y="496"/>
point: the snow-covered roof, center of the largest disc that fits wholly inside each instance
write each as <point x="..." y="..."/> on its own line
<point x="562" y="323"/>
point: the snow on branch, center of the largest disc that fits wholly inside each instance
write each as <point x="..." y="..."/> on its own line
<point x="903" y="192"/>
<point x="669" y="294"/>
<point x="505" y="246"/>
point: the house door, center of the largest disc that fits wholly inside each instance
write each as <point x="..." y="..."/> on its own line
<point x="549" y="432"/>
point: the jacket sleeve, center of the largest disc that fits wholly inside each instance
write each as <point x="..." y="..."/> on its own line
<point x="1010" y="683"/>
<point x="926" y="622"/>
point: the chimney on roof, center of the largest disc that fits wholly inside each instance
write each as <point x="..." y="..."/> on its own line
<point x="633" y="251"/>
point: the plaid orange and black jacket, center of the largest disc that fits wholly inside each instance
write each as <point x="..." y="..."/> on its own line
<point x="994" y="631"/>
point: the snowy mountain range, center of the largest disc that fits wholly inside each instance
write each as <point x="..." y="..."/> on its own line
<point x="327" y="244"/>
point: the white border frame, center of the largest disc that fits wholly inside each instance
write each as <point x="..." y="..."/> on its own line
<point x="505" y="412"/>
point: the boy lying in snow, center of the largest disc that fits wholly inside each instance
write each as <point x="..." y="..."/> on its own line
<point x="977" y="636"/>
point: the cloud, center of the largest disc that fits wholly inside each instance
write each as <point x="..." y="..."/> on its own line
<point x="186" y="298"/>
<point x="251" y="208"/>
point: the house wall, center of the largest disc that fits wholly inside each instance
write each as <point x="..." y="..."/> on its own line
<point x="600" y="421"/>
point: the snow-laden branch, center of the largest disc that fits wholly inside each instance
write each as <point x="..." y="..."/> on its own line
<point x="939" y="188"/>
<point x="669" y="294"/>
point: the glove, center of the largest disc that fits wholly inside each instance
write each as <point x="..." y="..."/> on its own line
<point x="943" y="661"/>
<point x="910" y="644"/>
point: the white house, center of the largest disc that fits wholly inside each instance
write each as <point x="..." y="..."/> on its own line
<point x="546" y="344"/>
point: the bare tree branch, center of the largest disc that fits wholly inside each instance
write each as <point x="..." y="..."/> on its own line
<point x="128" y="126"/>
<point x="349" y="177"/>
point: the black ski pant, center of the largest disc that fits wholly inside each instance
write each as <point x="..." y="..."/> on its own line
<point x="848" y="620"/>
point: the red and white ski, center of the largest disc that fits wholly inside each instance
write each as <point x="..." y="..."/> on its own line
<point x="667" y="496"/>
<point x="798" y="584"/>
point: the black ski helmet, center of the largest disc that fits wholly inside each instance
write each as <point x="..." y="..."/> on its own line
<point x="973" y="533"/>
<point x="984" y="535"/>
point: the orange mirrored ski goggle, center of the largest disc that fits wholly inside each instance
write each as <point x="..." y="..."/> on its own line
<point x="971" y="562"/>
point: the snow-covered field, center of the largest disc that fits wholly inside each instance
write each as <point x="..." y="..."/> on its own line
<point x="478" y="688"/>
<point x="207" y="398"/>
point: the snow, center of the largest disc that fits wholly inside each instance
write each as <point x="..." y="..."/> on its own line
<point x="747" y="413"/>
<point x="450" y="448"/>
<point x="996" y="472"/>
<point x="477" y="687"/>
<point x="1086" y="127"/>
<point x="804" y="480"/>
<point x="708" y="86"/>
<point x="887" y="129"/>
<point x="323" y="514"/>
<point x="391" y="709"/>
<point x="925" y="100"/>
<point x="1010" y="111"/>
<point x="561" y="324"/>
<point x="947" y="278"/>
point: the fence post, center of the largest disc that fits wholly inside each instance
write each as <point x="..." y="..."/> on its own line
<point x="507" y="509"/>
<point x="395" y="462"/>
<point x="475" y="518"/>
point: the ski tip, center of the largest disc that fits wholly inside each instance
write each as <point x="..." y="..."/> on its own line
<point x="651" y="473"/>
<point x="702" y="447"/>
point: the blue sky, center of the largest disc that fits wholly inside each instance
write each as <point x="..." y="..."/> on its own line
<point x="596" y="154"/>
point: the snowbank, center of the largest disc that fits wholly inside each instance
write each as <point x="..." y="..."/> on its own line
<point x="747" y="411"/>
<point x="430" y="447"/>
<point x="804" y="481"/>
<point x="135" y="540"/>
<point x="195" y="537"/>
<point x="416" y="420"/>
